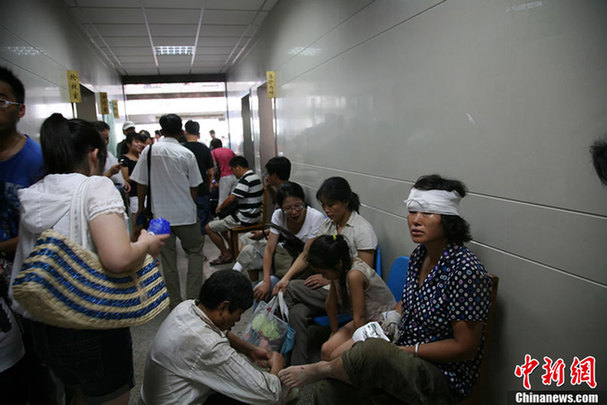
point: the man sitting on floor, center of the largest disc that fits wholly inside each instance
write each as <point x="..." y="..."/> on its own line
<point x="193" y="360"/>
<point x="248" y="195"/>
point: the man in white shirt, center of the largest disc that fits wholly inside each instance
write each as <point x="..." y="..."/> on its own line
<point x="196" y="359"/>
<point x="174" y="181"/>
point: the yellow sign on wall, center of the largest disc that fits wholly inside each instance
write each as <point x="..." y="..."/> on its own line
<point x="73" y="86"/>
<point x="271" y="83"/>
<point x="103" y="103"/>
<point x="115" y="108"/>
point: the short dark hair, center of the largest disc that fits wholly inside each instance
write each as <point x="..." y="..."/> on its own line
<point x="212" y="131"/>
<point x="598" y="150"/>
<point x="171" y="124"/>
<point x="326" y="252"/>
<point x="226" y="285"/>
<point x="131" y="136"/>
<point x="239" y="161"/>
<point x="66" y="144"/>
<point x="279" y="165"/>
<point x="289" y="189"/>
<point x="192" y="127"/>
<point x="338" y="189"/>
<point x="15" y="84"/>
<point x="216" y="143"/>
<point x="101" y="126"/>
<point x="457" y="230"/>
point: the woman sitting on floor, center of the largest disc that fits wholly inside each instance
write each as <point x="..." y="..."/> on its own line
<point x="437" y="355"/>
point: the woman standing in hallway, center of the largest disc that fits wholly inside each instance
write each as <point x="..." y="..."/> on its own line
<point x="95" y="365"/>
<point x="134" y="144"/>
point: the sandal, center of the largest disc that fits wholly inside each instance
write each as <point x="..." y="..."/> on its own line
<point x="220" y="260"/>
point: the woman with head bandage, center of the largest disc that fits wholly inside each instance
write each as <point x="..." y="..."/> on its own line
<point x="436" y="353"/>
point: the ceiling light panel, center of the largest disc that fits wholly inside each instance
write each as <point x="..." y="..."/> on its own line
<point x="173" y="50"/>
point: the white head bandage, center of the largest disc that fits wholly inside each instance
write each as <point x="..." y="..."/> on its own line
<point x="434" y="201"/>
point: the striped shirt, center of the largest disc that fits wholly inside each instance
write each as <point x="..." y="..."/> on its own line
<point x="249" y="192"/>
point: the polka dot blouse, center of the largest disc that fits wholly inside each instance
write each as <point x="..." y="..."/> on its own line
<point x="457" y="289"/>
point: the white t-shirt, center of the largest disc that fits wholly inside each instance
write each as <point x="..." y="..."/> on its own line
<point x="310" y="227"/>
<point x="46" y="204"/>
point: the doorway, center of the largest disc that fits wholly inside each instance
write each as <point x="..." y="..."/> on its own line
<point x="247" y="137"/>
<point x="267" y="139"/>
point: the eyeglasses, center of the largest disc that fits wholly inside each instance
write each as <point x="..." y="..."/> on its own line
<point x="6" y="103"/>
<point x="294" y="208"/>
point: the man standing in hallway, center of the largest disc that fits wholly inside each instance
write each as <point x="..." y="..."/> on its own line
<point x="127" y="128"/>
<point x="212" y="135"/>
<point x="227" y="180"/>
<point x="22" y="375"/>
<point x="207" y="171"/>
<point x="175" y="178"/>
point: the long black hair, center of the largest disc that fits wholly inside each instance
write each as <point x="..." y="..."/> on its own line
<point x="67" y="143"/>
<point x="338" y="189"/>
<point x="457" y="230"/>
<point x="328" y="252"/>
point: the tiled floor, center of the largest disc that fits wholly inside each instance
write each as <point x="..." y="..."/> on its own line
<point x="143" y="335"/>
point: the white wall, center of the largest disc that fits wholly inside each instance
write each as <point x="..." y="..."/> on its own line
<point x="39" y="44"/>
<point x="504" y="95"/>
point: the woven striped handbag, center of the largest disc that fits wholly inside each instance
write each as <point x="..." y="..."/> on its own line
<point x="61" y="283"/>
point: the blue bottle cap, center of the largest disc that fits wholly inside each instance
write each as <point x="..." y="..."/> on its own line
<point x="159" y="226"/>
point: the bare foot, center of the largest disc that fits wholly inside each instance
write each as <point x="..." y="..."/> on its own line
<point x="297" y="376"/>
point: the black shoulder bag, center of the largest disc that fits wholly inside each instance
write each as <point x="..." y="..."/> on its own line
<point x="147" y="215"/>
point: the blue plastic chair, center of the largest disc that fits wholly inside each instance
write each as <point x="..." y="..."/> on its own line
<point x="398" y="276"/>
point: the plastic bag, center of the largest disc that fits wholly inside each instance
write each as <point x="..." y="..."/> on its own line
<point x="389" y="322"/>
<point x="269" y="330"/>
<point x="370" y="330"/>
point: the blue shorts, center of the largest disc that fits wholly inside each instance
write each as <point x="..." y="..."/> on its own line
<point x="97" y="363"/>
<point x="203" y="210"/>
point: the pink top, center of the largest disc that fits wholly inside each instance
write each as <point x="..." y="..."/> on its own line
<point x="222" y="156"/>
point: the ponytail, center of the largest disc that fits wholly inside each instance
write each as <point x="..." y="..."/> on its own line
<point x="66" y="144"/>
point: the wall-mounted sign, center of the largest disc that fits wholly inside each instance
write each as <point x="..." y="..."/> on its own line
<point x="115" y="108"/>
<point x="103" y="103"/>
<point x="271" y="83"/>
<point x="73" y="86"/>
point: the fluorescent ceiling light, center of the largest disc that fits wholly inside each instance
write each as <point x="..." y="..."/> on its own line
<point x="173" y="50"/>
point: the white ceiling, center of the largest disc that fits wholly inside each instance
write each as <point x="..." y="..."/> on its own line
<point x="125" y="31"/>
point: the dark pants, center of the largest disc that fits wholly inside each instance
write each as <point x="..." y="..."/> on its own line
<point x="382" y="373"/>
<point x="203" y="211"/>
<point x="42" y="386"/>
<point x="97" y="363"/>
<point x="13" y="383"/>
<point x="220" y="399"/>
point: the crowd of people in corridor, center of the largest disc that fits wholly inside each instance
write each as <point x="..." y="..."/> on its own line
<point x="195" y="358"/>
